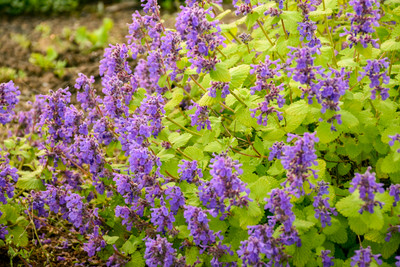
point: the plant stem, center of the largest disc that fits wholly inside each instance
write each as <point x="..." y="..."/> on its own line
<point x="269" y="40"/>
<point x="284" y="29"/>
<point x="239" y="99"/>
<point x="182" y="127"/>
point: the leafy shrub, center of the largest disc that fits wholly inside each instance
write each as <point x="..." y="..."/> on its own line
<point x="16" y="7"/>
<point x="272" y="140"/>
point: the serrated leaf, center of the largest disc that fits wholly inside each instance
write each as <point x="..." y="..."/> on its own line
<point x="350" y="205"/>
<point x="239" y="75"/>
<point x="357" y="225"/>
<point x="390" y="45"/>
<point x="325" y="134"/>
<point x="110" y="239"/>
<point x="179" y="140"/>
<point x="137" y="260"/>
<point x="248" y="215"/>
<point x="195" y="153"/>
<point x="373" y="220"/>
<point x="260" y="189"/>
<point x="191" y="255"/>
<point x="30" y="180"/>
<point x="20" y="235"/>
<point x="207" y="100"/>
<point x="177" y="97"/>
<point x="220" y="73"/>
<point x="295" y="115"/>
<point x="303" y="225"/>
<point x="214" y="146"/>
<point x="375" y="236"/>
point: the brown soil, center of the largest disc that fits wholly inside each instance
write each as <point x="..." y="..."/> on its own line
<point x="14" y="55"/>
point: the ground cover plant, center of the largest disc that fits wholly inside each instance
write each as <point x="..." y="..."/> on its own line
<point x="273" y="140"/>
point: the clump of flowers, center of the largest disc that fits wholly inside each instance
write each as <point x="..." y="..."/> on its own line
<point x="364" y="257"/>
<point x="8" y="100"/>
<point x="368" y="187"/>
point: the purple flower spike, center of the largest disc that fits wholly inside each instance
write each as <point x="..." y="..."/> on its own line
<point x="366" y="183"/>
<point x="323" y="211"/>
<point x="200" y="117"/>
<point x="326" y="260"/>
<point x="394" y="138"/>
<point x="394" y="191"/>
<point x="159" y="252"/>
<point x="364" y="256"/>
<point x="8" y="99"/>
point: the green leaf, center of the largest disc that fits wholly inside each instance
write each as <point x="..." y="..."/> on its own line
<point x="239" y="75"/>
<point x="374" y="220"/>
<point x="30" y="180"/>
<point x="194" y="152"/>
<point x="375" y="236"/>
<point x="220" y="73"/>
<point x="207" y="100"/>
<point x="390" y="45"/>
<point x="191" y="255"/>
<point x="303" y="225"/>
<point x="350" y="205"/>
<point x="357" y="225"/>
<point x="137" y="260"/>
<point x="295" y="115"/>
<point x="9" y="143"/>
<point x="20" y="235"/>
<point x="176" y="99"/>
<point x="248" y="216"/>
<point x="251" y="19"/>
<point x="325" y="134"/>
<point x="10" y="213"/>
<point x="260" y="189"/>
<point x="214" y="146"/>
<point x="389" y="248"/>
<point x="179" y="140"/>
<point x="110" y="239"/>
<point x="348" y="119"/>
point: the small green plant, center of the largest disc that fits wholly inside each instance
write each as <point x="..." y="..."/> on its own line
<point x="49" y="61"/>
<point x="96" y="39"/>
<point x="7" y="74"/>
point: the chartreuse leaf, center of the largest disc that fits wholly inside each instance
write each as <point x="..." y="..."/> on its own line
<point x="350" y="205"/>
<point x="259" y="189"/>
<point x="248" y="215"/>
<point x="207" y="100"/>
<point x="325" y="134"/>
<point x="373" y="220"/>
<point x="30" y="180"/>
<point x="214" y="146"/>
<point x="390" y="45"/>
<point x="295" y="115"/>
<point x="239" y="75"/>
<point x="309" y="241"/>
<point x="179" y="140"/>
<point x="339" y="236"/>
<point x="110" y="239"/>
<point x="358" y="226"/>
<point x="177" y="97"/>
<point x="137" y="260"/>
<point x="220" y="73"/>
<point x="389" y="248"/>
<point x="191" y="255"/>
<point x="20" y="235"/>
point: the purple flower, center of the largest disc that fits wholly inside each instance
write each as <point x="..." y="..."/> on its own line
<point x="397" y="261"/>
<point x="96" y="242"/>
<point x="197" y="222"/>
<point x="224" y="185"/>
<point x="394" y="138"/>
<point x="393" y="229"/>
<point x="8" y="177"/>
<point x="162" y="218"/>
<point x="244" y="7"/>
<point x="8" y="100"/>
<point x="364" y="256"/>
<point x="307" y="31"/>
<point x="175" y="197"/>
<point x="394" y="191"/>
<point x="220" y="86"/>
<point x="363" y="21"/>
<point x="264" y="107"/>
<point x="368" y="188"/>
<point x="200" y="117"/>
<point x="326" y="260"/>
<point x="261" y="241"/>
<point x="188" y="171"/>
<point x="127" y="188"/>
<point x="323" y="211"/>
<point x="297" y="160"/>
<point x="87" y="98"/>
<point x="159" y="252"/>
<point x="305" y="72"/>
<point x="3" y="231"/>
<point x="201" y="35"/>
<point x="376" y="70"/>
<point x="264" y="72"/>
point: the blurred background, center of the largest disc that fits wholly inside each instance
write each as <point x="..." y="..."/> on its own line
<point x="46" y="43"/>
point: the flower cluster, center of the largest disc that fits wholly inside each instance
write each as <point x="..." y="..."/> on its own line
<point x="394" y="138"/>
<point x="200" y="117"/>
<point x="394" y="191"/>
<point x="326" y="260"/>
<point x="202" y="36"/>
<point x="368" y="187"/>
<point x="323" y="210"/>
<point x="8" y="99"/>
<point x="363" y="21"/>
<point x="96" y="242"/>
<point x="279" y="204"/>
<point x="261" y="241"/>
<point x="160" y="252"/>
<point x="376" y="70"/>
<point x="8" y="177"/>
<point x="224" y="185"/>
<point x="297" y="160"/>
<point x="220" y="86"/>
<point x="188" y="171"/>
<point x="197" y="222"/>
<point x="364" y="256"/>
